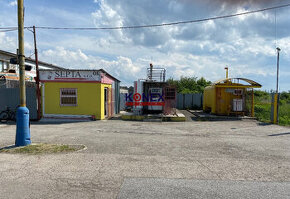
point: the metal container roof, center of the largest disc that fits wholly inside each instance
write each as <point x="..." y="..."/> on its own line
<point x="237" y="82"/>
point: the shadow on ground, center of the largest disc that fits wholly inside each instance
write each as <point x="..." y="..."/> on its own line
<point x="288" y="133"/>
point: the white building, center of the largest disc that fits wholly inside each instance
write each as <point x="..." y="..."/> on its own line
<point x="6" y="67"/>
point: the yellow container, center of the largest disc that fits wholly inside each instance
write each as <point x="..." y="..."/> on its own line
<point x="90" y="99"/>
<point x="227" y="96"/>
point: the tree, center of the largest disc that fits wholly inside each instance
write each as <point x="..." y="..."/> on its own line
<point x="189" y="84"/>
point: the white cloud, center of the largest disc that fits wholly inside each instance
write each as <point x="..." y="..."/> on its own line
<point x="7" y="43"/>
<point x="246" y="44"/>
<point x="121" y="67"/>
<point x="13" y="3"/>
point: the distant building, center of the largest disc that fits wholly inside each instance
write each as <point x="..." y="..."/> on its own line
<point x="9" y="83"/>
<point x="124" y="89"/>
<point x="6" y="67"/>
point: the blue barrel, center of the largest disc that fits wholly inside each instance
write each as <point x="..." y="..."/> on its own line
<point x="22" y="127"/>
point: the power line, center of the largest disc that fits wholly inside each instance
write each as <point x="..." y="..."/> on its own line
<point x="167" y="24"/>
<point x="8" y="30"/>
<point x="151" y="25"/>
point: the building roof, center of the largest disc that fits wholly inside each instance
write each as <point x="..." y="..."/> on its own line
<point x="32" y="60"/>
<point x="235" y="82"/>
<point x="109" y="75"/>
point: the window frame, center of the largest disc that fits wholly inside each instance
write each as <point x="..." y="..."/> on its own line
<point x="61" y="95"/>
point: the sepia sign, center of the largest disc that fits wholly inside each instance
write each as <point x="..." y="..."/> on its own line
<point x="70" y="75"/>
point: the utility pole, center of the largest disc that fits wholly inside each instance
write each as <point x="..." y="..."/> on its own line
<point x="276" y="95"/>
<point x="278" y="57"/>
<point x="37" y="75"/>
<point x="22" y="113"/>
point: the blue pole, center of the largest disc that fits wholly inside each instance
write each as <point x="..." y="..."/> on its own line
<point x="22" y="127"/>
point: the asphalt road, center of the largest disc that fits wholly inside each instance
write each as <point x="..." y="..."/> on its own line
<point x="125" y="159"/>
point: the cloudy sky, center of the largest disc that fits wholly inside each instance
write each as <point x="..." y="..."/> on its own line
<point x="246" y="44"/>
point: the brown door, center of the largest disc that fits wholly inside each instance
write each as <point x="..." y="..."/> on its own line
<point x="105" y="102"/>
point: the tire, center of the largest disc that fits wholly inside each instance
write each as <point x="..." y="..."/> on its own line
<point x="12" y="116"/>
<point x="4" y="116"/>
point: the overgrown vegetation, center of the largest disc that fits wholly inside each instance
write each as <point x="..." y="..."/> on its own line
<point x="42" y="149"/>
<point x="189" y="84"/>
<point x="263" y="107"/>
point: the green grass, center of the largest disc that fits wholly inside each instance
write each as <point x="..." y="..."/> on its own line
<point x="42" y="149"/>
<point x="284" y="114"/>
<point x="263" y="112"/>
<point x="263" y="108"/>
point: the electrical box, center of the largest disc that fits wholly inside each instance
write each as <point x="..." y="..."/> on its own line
<point x="237" y="105"/>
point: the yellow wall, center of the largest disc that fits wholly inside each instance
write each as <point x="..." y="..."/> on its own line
<point x="90" y="99"/>
<point x="218" y="100"/>
<point x="209" y="99"/>
<point x="224" y="100"/>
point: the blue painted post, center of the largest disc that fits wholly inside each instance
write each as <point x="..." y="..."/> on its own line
<point x="22" y="127"/>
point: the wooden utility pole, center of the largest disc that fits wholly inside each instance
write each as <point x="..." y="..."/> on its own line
<point x="22" y="114"/>
<point x="21" y="56"/>
<point x="37" y="76"/>
<point x="276" y="95"/>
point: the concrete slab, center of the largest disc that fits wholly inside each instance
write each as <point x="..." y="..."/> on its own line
<point x="179" y="117"/>
<point x="202" y="116"/>
<point x="147" y="188"/>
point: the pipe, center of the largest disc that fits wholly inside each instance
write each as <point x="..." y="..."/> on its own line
<point x="227" y="72"/>
<point x="151" y="71"/>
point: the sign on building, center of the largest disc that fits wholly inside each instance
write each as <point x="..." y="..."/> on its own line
<point x="70" y="75"/>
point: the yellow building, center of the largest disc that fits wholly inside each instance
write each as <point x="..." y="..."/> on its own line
<point x="229" y="96"/>
<point x="79" y="93"/>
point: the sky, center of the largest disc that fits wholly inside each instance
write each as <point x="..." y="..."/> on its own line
<point x="246" y="44"/>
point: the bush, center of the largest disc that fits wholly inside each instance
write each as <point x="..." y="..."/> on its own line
<point x="263" y="112"/>
<point x="284" y="114"/>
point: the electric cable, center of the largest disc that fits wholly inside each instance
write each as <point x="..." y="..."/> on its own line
<point x="7" y="29"/>
<point x="164" y="24"/>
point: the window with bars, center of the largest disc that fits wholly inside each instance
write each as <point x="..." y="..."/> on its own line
<point x="170" y="93"/>
<point x="68" y="97"/>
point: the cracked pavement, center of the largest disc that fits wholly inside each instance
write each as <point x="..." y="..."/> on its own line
<point x="117" y="150"/>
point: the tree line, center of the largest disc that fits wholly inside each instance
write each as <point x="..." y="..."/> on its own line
<point x="186" y="85"/>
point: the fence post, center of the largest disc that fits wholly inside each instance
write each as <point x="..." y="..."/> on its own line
<point x="275" y="108"/>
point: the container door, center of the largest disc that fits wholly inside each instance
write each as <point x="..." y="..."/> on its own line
<point x="218" y="100"/>
<point x="105" y="101"/>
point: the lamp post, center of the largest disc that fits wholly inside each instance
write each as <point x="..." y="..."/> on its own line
<point x="22" y="113"/>
<point x="278" y="55"/>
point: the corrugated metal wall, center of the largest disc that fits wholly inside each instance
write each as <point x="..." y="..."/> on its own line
<point x="117" y="96"/>
<point x="122" y="101"/>
<point x="9" y="97"/>
<point x="189" y="101"/>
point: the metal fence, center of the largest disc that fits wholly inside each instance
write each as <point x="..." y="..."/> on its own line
<point x="122" y="101"/>
<point x="189" y="101"/>
<point x="184" y="101"/>
<point x="9" y="97"/>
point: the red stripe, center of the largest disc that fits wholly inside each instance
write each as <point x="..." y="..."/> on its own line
<point x="70" y="81"/>
<point x="70" y="78"/>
